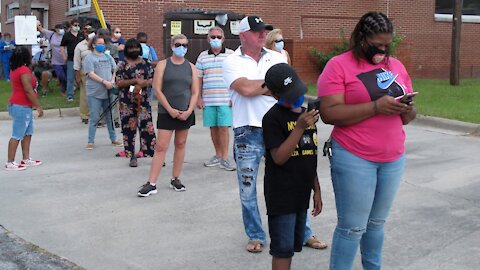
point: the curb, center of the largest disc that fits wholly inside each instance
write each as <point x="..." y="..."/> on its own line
<point x="430" y="121"/>
<point x="16" y="253"/>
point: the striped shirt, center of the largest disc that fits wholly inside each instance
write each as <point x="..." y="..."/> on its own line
<point x="214" y="90"/>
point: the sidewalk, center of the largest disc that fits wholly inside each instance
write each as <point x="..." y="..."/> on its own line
<point x="82" y="205"/>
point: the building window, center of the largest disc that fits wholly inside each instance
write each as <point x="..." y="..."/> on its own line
<point x="10" y="13"/>
<point x="78" y="6"/>
<point x="470" y="10"/>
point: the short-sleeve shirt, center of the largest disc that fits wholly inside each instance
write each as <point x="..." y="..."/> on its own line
<point x="214" y="89"/>
<point x="379" y="138"/>
<point x="19" y="96"/>
<point x="70" y="41"/>
<point x="287" y="188"/>
<point x="249" y="111"/>
<point x="102" y="65"/>
<point x="81" y="51"/>
<point x="55" y="41"/>
<point x="125" y="71"/>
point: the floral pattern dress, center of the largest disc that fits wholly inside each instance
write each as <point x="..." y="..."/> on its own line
<point x="135" y="110"/>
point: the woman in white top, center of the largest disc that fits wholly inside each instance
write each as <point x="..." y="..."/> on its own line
<point x="276" y="43"/>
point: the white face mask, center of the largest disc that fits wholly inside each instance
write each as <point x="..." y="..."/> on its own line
<point x="117" y="35"/>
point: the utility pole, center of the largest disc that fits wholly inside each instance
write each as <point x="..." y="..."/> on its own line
<point x="456" y="35"/>
<point x="25" y="7"/>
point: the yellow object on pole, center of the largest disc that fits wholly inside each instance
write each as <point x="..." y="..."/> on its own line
<point x="99" y="14"/>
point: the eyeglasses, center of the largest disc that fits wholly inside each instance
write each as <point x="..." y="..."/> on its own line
<point x="278" y="40"/>
<point x="216" y="37"/>
<point x="185" y="45"/>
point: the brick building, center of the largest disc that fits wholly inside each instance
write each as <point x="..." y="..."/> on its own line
<point x="425" y="49"/>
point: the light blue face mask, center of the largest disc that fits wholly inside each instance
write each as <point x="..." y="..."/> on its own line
<point x="216" y="43"/>
<point x="296" y="104"/>
<point x="61" y="32"/>
<point x="145" y="50"/>
<point x="279" y="45"/>
<point x="180" y="51"/>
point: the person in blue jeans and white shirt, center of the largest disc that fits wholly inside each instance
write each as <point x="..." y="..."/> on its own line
<point x="290" y="137"/>
<point x="244" y="72"/>
<point x="100" y="71"/>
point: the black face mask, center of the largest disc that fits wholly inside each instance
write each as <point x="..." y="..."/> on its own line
<point x="374" y="55"/>
<point x="133" y="54"/>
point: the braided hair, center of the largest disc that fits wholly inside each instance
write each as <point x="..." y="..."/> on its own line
<point x="370" y="24"/>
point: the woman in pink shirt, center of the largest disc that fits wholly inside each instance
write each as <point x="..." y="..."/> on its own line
<point x="360" y="92"/>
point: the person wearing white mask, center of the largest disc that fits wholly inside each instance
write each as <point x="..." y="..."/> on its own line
<point x="275" y="42"/>
<point x="58" y="62"/>
<point x="214" y="98"/>
<point x="117" y="45"/>
<point x="70" y="41"/>
<point x="175" y="83"/>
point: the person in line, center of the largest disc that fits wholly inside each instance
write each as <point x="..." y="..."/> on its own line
<point x="276" y="43"/>
<point x="148" y="52"/>
<point x="134" y="76"/>
<point x="176" y="88"/>
<point x="290" y="137"/>
<point x="244" y="73"/>
<point x="214" y="98"/>
<point x="358" y="90"/>
<point x="68" y="44"/>
<point x="116" y="45"/>
<point x="42" y="68"/>
<point x="81" y="51"/>
<point x="21" y="103"/>
<point x="58" y="62"/>
<point x="1" y="63"/>
<point x="100" y="70"/>
<point x="7" y="45"/>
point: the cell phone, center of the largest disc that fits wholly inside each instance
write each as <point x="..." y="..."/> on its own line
<point x="407" y="98"/>
<point x="314" y="105"/>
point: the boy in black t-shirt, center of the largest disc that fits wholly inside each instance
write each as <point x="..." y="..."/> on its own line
<point x="290" y="137"/>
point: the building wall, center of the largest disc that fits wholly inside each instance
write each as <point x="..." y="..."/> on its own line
<point x="308" y="24"/>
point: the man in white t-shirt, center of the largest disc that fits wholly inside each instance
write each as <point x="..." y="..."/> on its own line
<point x="244" y="72"/>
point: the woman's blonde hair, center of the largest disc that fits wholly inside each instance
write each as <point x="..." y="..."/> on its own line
<point x="177" y="37"/>
<point x="271" y="37"/>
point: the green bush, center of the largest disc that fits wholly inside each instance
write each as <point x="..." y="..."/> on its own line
<point x="322" y="58"/>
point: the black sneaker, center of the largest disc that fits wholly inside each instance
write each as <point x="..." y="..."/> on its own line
<point x="146" y="190"/>
<point x="117" y="124"/>
<point x="177" y="185"/>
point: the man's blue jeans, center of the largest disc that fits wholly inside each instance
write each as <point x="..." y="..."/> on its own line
<point x="364" y="193"/>
<point x="248" y="150"/>
<point x="97" y="107"/>
<point x="70" y="79"/>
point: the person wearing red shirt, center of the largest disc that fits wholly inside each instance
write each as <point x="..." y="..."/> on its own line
<point x="20" y="104"/>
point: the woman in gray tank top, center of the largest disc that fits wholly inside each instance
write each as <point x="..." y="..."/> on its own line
<point x="176" y="87"/>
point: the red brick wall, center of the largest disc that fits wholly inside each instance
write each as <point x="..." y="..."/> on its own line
<point x="428" y="41"/>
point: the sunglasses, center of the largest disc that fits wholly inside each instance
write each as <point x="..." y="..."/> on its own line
<point x="185" y="45"/>
<point x="118" y="32"/>
<point x="216" y="37"/>
<point x="278" y="40"/>
<point x="76" y="25"/>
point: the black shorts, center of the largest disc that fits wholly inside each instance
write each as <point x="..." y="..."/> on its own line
<point x="165" y="121"/>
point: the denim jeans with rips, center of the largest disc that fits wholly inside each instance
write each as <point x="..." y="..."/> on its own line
<point x="364" y="193"/>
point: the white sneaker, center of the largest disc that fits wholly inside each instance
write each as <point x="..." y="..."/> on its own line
<point x="13" y="166"/>
<point x="30" y="162"/>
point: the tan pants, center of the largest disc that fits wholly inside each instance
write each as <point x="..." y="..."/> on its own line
<point x="84" y="111"/>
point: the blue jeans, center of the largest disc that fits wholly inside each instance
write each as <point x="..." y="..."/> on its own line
<point x="6" y="69"/>
<point x="70" y="79"/>
<point x="248" y="150"/>
<point x="286" y="233"/>
<point x="22" y="124"/>
<point x="98" y="106"/>
<point x="364" y="193"/>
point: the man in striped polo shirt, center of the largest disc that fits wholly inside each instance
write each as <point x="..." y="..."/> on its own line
<point x="214" y="98"/>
